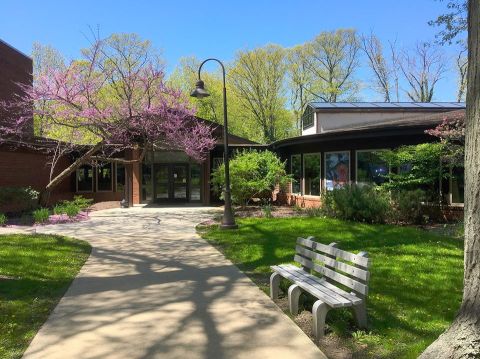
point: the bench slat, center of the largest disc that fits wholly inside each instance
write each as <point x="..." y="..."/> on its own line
<point x="344" y="267"/>
<point x="338" y="277"/>
<point x="359" y="260"/>
<point x="324" y="294"/>
<point x="322" y="282"/>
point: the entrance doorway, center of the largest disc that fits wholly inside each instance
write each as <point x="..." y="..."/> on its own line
<point x="171" y="182"/>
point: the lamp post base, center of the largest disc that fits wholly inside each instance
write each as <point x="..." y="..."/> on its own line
<point x="228" y="226"/>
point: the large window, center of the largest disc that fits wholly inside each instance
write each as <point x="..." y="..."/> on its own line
<point x="370" y="168"/>
<point x="457" y="184"/>
<point x="195" y="182"/>
<point x="120" y="177"/>
<point x="337" y="169"/>
<point x="85" y="179"/>
<point x="104" y="177"/>
<point x="296" y="171"/>
<point x="311" y="165"/>
<point x="308" y="118"/>
<point x="147" y="183"/>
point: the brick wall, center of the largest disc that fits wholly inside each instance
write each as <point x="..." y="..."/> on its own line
<point x="15" y="67"/>
<point x="23" y="168"/>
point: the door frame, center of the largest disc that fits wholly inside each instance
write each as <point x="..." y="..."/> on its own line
<point x="171" y="182"/>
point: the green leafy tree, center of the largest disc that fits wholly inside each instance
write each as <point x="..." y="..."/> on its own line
<point x="416" y="166"/>
<point x="253" y="174"/>
<point x="257" y="77"/>
<point x="333" y="59"/>
<point x="211" y="108"/>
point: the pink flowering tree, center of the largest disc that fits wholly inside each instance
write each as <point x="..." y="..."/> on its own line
<point x="451" y="133"/>
<point x="113" y="99"/>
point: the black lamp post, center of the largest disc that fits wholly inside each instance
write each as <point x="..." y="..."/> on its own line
<point x="228" y="221"/>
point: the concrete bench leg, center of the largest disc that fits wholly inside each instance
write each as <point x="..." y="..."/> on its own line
<point x="360" y="313"/>
<point x="274" y="285"/>
<point x="294" y="292"/>
<point x="319" y="312"/>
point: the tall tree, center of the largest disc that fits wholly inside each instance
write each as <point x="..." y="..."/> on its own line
<point x="302" y="84"/>
<point x="257" y="77"/>
<point x="422" y="68"/>
<point x="114" y="98"/>
<point x="383" y="67"/>
<point x="333" y="57"/>
<point x="462" y="338"/>
<point x="211" y="108"/>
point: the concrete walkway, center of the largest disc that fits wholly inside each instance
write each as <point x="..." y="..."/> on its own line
<point x="153" y="289"/>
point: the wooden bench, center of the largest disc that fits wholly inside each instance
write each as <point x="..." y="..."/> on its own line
<point x="340" y="270"/>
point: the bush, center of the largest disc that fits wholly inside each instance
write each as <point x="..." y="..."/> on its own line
<point x="41" y="215"/>
<point x="267" y="210"/>
<point x="407" y="206"/>
<point x="22" y="198"/>
<point x="72" y="208"/>
<point x="81" y="202"/>
<point x="357" y="203"/>
<point x="3" y="219"/>
<point x="253" y="174"/>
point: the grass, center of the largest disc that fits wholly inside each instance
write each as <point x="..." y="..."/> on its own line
<point x="416" y="276"/>
<point x="35" y="271"/>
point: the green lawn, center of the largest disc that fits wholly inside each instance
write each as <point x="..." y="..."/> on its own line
<point x="415" y="285"/>
<point x="35" y="271"/>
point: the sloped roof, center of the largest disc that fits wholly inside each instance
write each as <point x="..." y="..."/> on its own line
<point x="387" y="106"/>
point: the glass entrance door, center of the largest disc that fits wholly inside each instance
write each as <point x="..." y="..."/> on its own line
<point x="162" y="183"/>
<point x="179" y="182"/>
<point x="171" y="182"/>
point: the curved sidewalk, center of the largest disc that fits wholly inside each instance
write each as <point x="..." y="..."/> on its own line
<point x="152" y="288"/>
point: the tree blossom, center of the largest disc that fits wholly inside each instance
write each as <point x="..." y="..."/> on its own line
<point x="113" y="99"/>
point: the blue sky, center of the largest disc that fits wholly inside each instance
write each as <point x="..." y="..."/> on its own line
<point x="218" y="28"/>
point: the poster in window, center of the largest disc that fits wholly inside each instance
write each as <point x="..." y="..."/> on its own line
<point x="337" y="169"/>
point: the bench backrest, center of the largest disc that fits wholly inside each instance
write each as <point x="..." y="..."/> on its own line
<point x="345" y="268"/>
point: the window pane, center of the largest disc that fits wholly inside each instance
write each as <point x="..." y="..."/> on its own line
<point x="311" y="163"/>
<point x="120" y="177"/>
<point x="337" y="169"/>
<point x="147" y="191"/>
<point x="458" y="183"/>
<point x="296" y="170"/>
<point x="85" y="178"/>
<point x="370" y="168"/>
<point x="195" y="181"/>
<point x="307" y="118"/>
<point x="104" y="177"/>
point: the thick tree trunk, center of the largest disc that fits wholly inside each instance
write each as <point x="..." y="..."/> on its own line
<point x="462" y="339"/>
<point x="45" y="195"/>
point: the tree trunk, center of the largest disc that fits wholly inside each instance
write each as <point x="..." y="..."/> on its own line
<point x="462" y="339"/>
<point x="45" y="194"/>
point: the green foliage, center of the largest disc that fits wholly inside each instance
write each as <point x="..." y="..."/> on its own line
<point x="415" y="285"/>
<point x="41" y="215"/>
<point x="408" y="206"/>
<point x="267" y="210"/>
<point x="81" y="202"/>
<point x="35" y="272"/>
<point x="253" y="174"/>
<point x="23" y="197"/>
<point x="3" y="219"/>
<point x="72" y="208"/>
<point x="357" y="203"/>
<point x="416" y="166"/>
